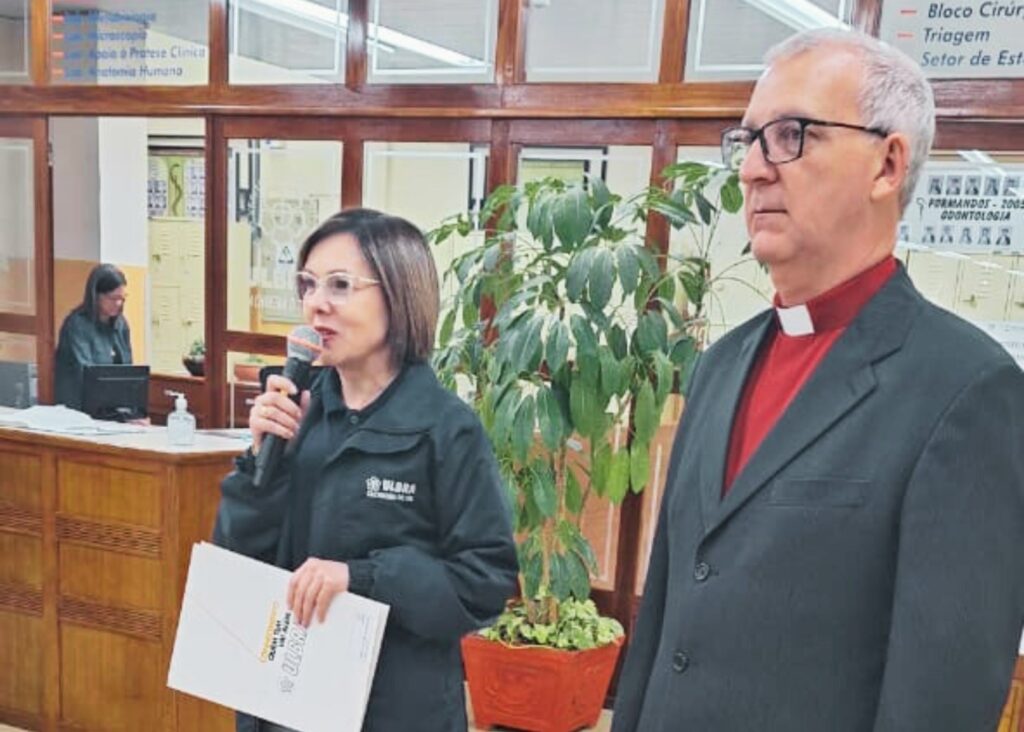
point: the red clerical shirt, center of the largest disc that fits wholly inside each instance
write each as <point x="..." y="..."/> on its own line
<point x="792" y="350"/>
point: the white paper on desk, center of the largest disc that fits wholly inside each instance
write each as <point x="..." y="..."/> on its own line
<point x="238" y="645"/>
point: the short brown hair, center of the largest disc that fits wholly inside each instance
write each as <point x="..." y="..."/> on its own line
<point x="400" y="258"/>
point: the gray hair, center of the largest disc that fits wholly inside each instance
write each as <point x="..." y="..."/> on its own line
<point x="894" y="96"/>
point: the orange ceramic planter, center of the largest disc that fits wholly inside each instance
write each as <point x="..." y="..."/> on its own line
<point x="537" y="689"/>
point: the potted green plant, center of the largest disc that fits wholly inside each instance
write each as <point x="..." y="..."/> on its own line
<point x="195" y="359"/>
<point x="564" y="327"/>
<point x="248" y="369"/>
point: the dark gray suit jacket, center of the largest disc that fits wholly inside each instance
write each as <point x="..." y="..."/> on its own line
<point x="865" y="573"/>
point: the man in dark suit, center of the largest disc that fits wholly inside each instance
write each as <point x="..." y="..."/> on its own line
<point x="841" y="540"/>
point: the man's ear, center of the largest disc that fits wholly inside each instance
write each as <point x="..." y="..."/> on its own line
<point x="893" y="165"/>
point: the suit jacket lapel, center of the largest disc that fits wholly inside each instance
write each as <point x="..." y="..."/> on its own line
<point x="723" y="391"/>
<point x="843" y="379"/>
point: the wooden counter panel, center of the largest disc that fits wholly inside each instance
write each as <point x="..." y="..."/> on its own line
<point x="21" y="560"/>
<point x="103" y="491"/>
<point x="196" y="714"/>
<point x="20" y="480"/>
<point x="109" y="578"/>
<point x="21" y="677"/>
<point x="109" y="681"/>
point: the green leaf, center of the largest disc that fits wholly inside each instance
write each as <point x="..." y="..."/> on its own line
<point x="677" y="215"/>
<point x="538" y="219"/>
<point x="578" y="273"/>
<point x="578" y="577"/>
<point x="731" y="194"/>
<point x="629" y="268"/>
<point x="618" y="476"/>
<point x="704" y="207"/>
<point x="549" y="415"/>
<point x="639" y="465"/>
<point x="528" y="345"/>
<point x="586" y="342"/>
<point x="617" y="341"/>
<point x="447" y="326"/>
<point x="602" y="277"/>
<point x="561" y="578"/>
<point x="665" y="372"/>
<point x="583" y="408"/>
<point x="646" y="417"/>
<point x="522" y="431"/>
<point x="544" y="494"/>
<point x="573" y="492"/>
<point x="572" y="216"/>
<point x="532" y="569"/>
<point x="600" y="467"/>
<point x="505" y="414"/>
<point x="604" y="202"/>
<point x="652" y="333"/>
<point x="557" y="347"/>
<point x="683" y="352"/>
<point x="576" y="543"/>
<point x="611" y="373"/>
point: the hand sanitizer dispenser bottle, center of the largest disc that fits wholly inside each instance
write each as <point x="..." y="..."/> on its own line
<point x="181" y="424"/>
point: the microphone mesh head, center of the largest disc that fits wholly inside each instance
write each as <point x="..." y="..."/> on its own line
<point x="304" y="343"/>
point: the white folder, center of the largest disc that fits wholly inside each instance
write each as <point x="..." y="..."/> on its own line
<point x="239" y="645"/>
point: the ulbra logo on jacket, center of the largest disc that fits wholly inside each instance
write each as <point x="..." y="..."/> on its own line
<point x="387" y="489"/>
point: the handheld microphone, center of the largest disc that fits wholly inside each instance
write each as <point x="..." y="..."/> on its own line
<point x="303" y="348"/>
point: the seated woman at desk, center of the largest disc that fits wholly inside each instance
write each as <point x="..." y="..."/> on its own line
<point x="94" y="333"/>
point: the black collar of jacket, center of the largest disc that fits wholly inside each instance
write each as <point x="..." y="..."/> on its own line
<point x="410" y="410"/>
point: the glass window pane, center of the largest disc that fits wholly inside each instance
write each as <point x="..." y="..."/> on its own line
<point x="727" y="38"/>
<point x="133" y="42"/>
<point x="131" y="192"/>
<point x="17" y="227"/>
<point x="287" y="41"/>
<point x="426" y="182"/>
<point x="962" y="236"/>
<point x="411" y="41"/>
<point x="278" y="192"/>
<point x="609" y="40"/>
<point x="14" y="41"/>
<point x="19" y="381"/>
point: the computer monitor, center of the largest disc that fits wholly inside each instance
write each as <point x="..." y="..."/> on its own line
<point x="19" y="384"/>
<point x="116" y="392"/>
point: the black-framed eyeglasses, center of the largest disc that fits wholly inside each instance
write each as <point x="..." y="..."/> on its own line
<point x="782" y="140"/>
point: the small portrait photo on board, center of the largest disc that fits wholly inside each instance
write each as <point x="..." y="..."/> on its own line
<point x="1003" y="240"/>
<point x="985" y="237"/>
<point x="991" y="186"/>
<point x="1011" y="185"/>
<point x="972" y="187"/>
<point x="953" y="185"/>
<point x="947" y="235"/>
<point x="929" y="235"/>
<point x="965" y="236"/>
<point x="934" y="185"/>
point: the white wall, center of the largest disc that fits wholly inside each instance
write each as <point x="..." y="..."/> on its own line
<point x="123" y="173"/>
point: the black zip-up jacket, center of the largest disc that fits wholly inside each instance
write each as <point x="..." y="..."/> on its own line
<point x="442" y="557"/>
<point x="83" y="342"/>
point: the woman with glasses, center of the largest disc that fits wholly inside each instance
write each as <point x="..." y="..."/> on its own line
<point x="389" y="487"/>
<point x="94" y="333"/>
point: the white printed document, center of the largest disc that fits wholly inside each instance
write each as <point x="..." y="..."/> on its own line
<point x="239" y="645"/>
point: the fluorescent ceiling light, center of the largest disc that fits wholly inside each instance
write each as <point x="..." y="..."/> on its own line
<point x="798" y="14"/>
<point x="326" y="21"/>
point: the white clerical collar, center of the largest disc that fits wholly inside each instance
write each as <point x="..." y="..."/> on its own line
<point x="795" y="321"/>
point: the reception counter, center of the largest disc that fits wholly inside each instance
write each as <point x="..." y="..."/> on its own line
<point x="95" y="534"/>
